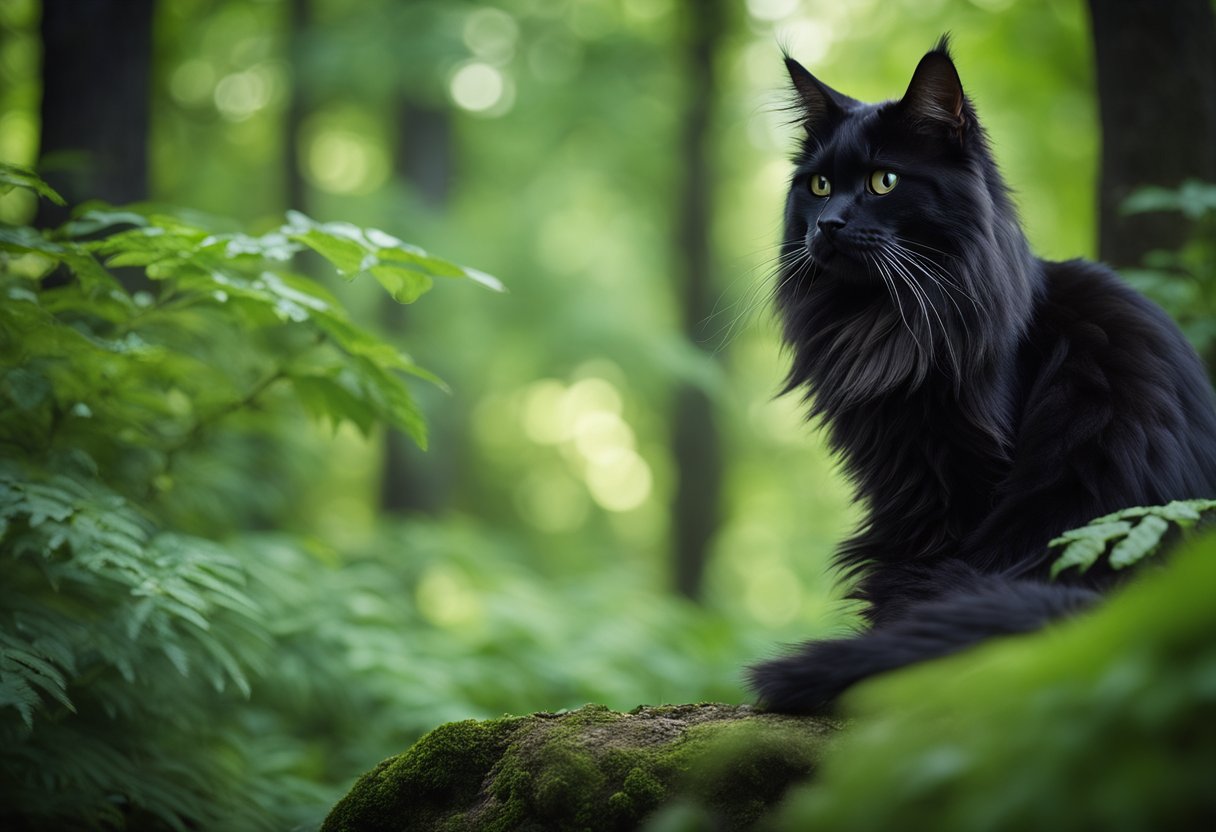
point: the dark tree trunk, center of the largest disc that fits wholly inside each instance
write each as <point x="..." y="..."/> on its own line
<point x="96" y="63"/>
<point x="411" y="481"/>
<point x="695" y="441"/>
<point x="1156" y="67"/>
<point x="424" y="151"/>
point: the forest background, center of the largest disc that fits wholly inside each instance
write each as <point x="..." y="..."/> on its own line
<point x="613" y="505"/>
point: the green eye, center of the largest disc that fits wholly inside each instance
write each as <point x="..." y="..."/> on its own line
<point x="820" y="186"/>
<point x="883" y="181"/>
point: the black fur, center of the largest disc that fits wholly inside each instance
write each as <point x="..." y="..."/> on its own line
<point x="982" y="400"/>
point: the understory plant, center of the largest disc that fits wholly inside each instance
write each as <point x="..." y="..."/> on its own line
<point x="154" y="374"/>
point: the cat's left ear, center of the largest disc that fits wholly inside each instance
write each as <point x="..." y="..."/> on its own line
<point x="935" y="96"/>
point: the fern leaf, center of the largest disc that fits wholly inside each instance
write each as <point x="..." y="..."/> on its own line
<point x="1141" y="541"/>
<point x="1082" y="553"/>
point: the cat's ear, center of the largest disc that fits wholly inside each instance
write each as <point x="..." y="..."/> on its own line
<point x="935" y="96"/>
<point x="816" y="104"/>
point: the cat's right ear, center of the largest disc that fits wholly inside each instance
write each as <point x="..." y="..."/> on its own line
<point x="817" y="105"/>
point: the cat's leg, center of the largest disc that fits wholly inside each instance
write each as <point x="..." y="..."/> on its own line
<point x="811" y="678"/>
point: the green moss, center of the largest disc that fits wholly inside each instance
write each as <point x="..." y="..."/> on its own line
<point x="643" y="787"/>
<point x="743" y="770"/>
<point x="441" y="775"/>
<point x="592" y="769"/>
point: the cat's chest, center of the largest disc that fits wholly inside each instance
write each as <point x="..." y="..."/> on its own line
<point x="918" y="451"/>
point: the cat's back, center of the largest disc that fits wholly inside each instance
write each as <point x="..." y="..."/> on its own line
<point x="1116" y="377"/>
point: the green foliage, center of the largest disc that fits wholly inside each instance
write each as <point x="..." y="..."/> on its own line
<point x="17" y="176"/>
<point x="1129" y="535"/>
<point x="127" y="641"/>
<point x="163" y="666"/>
<point x="90" y="358"/>
<point x="1107" y="721"/>
<point x="1183" y="281"/>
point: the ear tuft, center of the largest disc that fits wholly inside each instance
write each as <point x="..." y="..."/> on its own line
<point x="816" y="103"/>
<point x="935" y="95"/>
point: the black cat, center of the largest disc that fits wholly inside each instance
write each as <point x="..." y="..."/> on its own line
<point x="982" y="400"/>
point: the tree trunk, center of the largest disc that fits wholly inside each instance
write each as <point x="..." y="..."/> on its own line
<point x="411" y="481"/>
<point x="1156" y="68"/>
<point x="96" y="69"/>
<point x="695" y="440"/>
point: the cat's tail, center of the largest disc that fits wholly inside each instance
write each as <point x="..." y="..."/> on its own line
<point x="811" y="678"/>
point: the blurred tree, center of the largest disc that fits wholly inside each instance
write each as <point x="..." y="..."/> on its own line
<point x="695" y="440"/>
<point x="423" y="158"/>
<point x="96" y="63"/>
<point x="1156" y="65"/>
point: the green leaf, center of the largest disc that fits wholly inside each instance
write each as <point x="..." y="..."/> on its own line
<point x="25" y="240"/>
<point x="18" y="176"/>
<point x="328" y="398"/>
<point x="1082" y="553"/>
<point x="91" y="220"/>
<point x="1192" y="198"/>
<point x="339" y="243"/>
<point x="404" y="285"/>
<point x="27" y="387"/>
<point x="1140" y="541"/>
<point x="404" y="269"/>
<point x="1097" y="530"/>
<point x="1186" y="513"/>
<point x="15" y="692"/>
<point x="393" y="400"/>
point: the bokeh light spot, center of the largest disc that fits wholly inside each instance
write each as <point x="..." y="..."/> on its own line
<point x="602" y="437"/>
<point x="622" y="484"/>
<point x="771" y="9"/>
<point x="542" y="412"/>
<point x="491" y="34"/>
<point x="445" y="598"/>
<point x="345" y="162"/>
<point x="193" y="83"/>
<point x="477" y="87"/>
<point x="241" y="94"/>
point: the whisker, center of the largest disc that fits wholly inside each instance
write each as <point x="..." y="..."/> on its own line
<point x="793" y="262"/>
<point x="917" y="294"/>
<point x="894" y="292"/>
<point x="752" y="297"/>
<point x="927" y="247"/>
<point x="910" y="278"/>
<point x="928" y="265"/>
<point x="933" y="274"/>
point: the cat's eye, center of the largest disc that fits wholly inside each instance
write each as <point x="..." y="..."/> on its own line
<point x="820" y="186"/>
<point x="883" y="181"/>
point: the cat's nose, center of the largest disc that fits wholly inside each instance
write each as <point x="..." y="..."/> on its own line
<point x="828" y="226"/>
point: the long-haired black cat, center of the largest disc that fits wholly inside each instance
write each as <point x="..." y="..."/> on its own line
<point x="982" y="400"/>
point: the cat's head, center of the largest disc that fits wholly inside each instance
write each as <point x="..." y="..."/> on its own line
<point x="899" y="227"/>
<point x="875" y="182"/>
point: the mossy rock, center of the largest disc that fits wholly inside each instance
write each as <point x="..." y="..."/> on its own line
<point x="587" y="770"/>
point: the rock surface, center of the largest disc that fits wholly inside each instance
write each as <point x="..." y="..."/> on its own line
<point x="591" y="769"/>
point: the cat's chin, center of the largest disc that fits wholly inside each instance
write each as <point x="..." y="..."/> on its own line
<point x="844" y="266"/>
